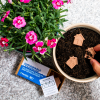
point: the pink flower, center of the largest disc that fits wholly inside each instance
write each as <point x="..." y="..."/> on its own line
<point x="5" y="16"/>
<point x="19" y="22"/>
<point x="31" y="37"/>
<point x="10" y="1"/>
<point x="43" y="50"/>
<point x="21" y="0"/>
<point x="68" y="1"/>
<point x="25" y="1"/>
<point x="2" y="20"/>
<point x="38" y="47"/>
<point x="51" y="43"/>
<point x="3" y="42"/>
<point x="57" y="3"/>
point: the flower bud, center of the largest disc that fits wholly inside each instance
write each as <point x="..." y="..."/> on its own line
<point x="23" y="33"/>
<point x="9" y="18"/>
<point x="4" y="26"/>
<point x="15" y="32"/>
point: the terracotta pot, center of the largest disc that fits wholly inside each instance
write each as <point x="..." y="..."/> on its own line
<point x="54" y="53"/>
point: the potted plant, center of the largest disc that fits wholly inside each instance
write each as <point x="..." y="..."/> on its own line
<point x="31" y="25"/>
<point x="65" y="48"/>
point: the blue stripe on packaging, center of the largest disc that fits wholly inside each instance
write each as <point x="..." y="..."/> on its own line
<point x="30" y="74"/>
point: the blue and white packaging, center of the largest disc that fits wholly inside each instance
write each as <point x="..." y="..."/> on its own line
<point x="32" y="70"/>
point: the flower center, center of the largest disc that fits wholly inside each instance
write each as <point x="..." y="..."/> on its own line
<point x="3" y="42"/>
<point x="51" y="43"/>
<point x="4" y="15"/>
<point x="46" y="39"/>
<point x="19" y="21"/>
<point x="31" y="37"/>
<point x="58" y="3"/>
<point x="39" y="48"/>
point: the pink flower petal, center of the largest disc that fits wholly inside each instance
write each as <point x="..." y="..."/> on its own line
<point x="2" y="45"/>
<point x="48" y="43"/>
<point x="21" y="0"/>
<point x="53" y="40"/>
<point x="57" y="3"/>
<point x="54" y="44"/>
<point x="6" y="44"/>
<point x="31" y="37"/>
<point x="5" y="16"/>
<point x="10" y="1"/>
<point x="4" y="39"/>
<point x="56" y="7"/>
<point x="39" y="44"/>
<point x="25" y="1"/>
<point x="19" y="22"/>
<point x="2" y="20"/>
<point x="51" y="43"/>
<point x="68" y="1"/>
<point x="3" y="42"/>
<point x="43" y="50"/>
<point x="35" y="49"/>
<point x="7" y="13"/>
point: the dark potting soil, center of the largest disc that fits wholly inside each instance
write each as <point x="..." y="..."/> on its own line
<point x="66" y="48"/>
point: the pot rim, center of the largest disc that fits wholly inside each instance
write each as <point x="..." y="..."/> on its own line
<point x="89" y="79"/>
<point x="27" y="53"/>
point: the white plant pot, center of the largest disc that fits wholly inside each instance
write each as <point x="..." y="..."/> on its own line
<point x="92" y="78"/>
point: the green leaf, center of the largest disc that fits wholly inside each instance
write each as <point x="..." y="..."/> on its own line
<point x="39" y="32"/>
<point x="31" y="15"/>
<point x="52" y="25"/>
<point x="61" y="34"/>
<point x="43" y="24"/>
<point x="20" y="13"/>
<point x="26" y="28"/>
<point x="38" y="58"/>
<point x="9" y="49"/>
<point x="52" y="16"/>
<point x="31" y="22"/>
<point x="58" y="30"/>
<point x="48" y="49"/>
<point x="63" y="10"/>
<point x="48" y="54"/>
<point x="43" y="7"/>
<point x="20" y="47"/>
<point x="62" y="16"/>
<point x="24" y="54"/>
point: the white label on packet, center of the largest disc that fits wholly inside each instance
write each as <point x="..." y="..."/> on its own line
<point x="49" y="86"/>
<point x="42" y="69"/>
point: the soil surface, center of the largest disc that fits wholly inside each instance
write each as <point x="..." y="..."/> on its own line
<point x="66" y="48"/>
